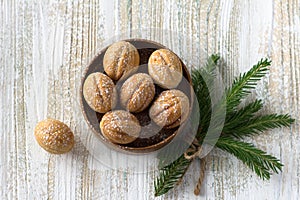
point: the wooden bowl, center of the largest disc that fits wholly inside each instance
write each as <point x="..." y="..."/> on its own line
<point x="140" y="145"/>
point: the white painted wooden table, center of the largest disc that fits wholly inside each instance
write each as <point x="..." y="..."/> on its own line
<point x="45" y="46"/>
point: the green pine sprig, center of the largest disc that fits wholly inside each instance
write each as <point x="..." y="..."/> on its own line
<point x="243" y="114"/>
<point x="202" y="78"/>
<point x="256" y="125"/>
<point x="257" y="160"/>
<point x="243" y="85"/>
<point x="239" y="123"/>
<point x="170" y="175"/>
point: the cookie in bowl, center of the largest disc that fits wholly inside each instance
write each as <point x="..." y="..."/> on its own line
<point x="120" y="127"/>
<point x="99" y="92"/>
<point x="165" y="68"/>
<point x="137" y="92"/>
<point x="120" y="60"/>
<point x="170" y="109"/>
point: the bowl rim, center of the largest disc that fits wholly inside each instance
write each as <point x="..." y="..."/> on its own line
<point x="126" y="149"/>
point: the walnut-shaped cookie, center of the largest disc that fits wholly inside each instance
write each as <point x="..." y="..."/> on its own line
<point x="100" y="93"/>
<point x="120" y="126"/>
<point x="170" y="109"/>
<point x="54" y="136"/>
<point x="120" y="60"/>
<point x="165" y="68"/>
<point x="137" y="92"/>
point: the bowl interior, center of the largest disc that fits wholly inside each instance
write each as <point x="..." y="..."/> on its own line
<point x="144" y="144"/>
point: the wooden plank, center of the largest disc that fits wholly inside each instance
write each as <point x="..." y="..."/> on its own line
<point x="45" y="47"/>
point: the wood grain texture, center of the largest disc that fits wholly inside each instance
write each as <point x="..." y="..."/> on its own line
<point x="45" y="47"/>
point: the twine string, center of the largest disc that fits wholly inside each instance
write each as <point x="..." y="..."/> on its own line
<point x="191" y="153"/>
<point x="201" y="176"/>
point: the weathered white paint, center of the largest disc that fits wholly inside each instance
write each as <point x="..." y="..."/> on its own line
<point x="46" y="45"/>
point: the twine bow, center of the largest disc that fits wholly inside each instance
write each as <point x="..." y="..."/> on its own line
<point x="192" y="152"/>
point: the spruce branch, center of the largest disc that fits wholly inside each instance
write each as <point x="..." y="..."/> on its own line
<point x="242" y="85"/>
<point x="256" y="125"/>
<point x="170" y="175"/>
<point x="243" y="114"/>
<point x="257" y="160"/>
<point x="201" y="79"/>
